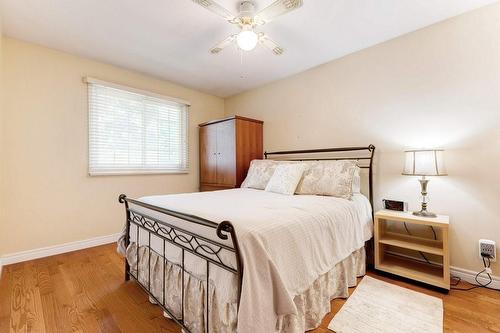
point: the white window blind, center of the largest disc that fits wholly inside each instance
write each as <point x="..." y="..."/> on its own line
<point x="132" y="131"/>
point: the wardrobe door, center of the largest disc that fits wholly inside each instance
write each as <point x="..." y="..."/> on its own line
<point x="226" y="153"/>
<point x="249" y="146"/>
<point x="208" y="154"/>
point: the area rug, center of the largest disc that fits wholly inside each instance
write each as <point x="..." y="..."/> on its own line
<point x="379" y="307"/>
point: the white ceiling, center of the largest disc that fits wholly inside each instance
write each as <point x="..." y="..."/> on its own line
<point x="170" y="38"/>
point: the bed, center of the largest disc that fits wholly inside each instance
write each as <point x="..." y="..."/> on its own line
<point x="248" y="260"/>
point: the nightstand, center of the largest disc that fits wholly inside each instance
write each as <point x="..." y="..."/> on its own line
<point x="431" y="274"/>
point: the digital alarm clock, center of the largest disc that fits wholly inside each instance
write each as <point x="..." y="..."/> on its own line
<point x="399" y="206"/>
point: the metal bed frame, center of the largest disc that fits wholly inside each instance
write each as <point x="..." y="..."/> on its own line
<point x="210" y="249"/>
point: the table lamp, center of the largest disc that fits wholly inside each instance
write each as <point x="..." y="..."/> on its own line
<point x="424" y="162"/>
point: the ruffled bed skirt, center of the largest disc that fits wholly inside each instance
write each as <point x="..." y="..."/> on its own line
<point x="312" y="305"/>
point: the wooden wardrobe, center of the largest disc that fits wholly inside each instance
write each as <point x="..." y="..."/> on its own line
<point x="226" y="148"/>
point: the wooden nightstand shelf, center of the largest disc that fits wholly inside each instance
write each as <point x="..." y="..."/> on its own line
<point x="423" y="272"/>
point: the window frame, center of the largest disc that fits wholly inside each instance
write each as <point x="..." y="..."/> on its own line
<point x="187" y="104"/>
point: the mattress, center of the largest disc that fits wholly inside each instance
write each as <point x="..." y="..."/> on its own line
<point x="295" y="239"/>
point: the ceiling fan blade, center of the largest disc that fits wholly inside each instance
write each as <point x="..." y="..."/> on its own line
<point x="215" y="8"/>
<point x="276" y="9"/>
<point x="270" y="44"/>
<point x="219" y="47"/>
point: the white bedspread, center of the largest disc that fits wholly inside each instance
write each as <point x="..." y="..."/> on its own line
<point x="286" y="242"/>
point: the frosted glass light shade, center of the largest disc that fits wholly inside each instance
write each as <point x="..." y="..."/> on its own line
<point x="247" y="40"/>
<point x="424" y="163"/>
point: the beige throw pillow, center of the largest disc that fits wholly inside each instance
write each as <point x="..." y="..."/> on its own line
<point x="333" y="178"/>
<point x="259" y="173"/>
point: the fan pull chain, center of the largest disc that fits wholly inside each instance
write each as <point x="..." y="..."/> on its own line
<point x="242" y="72"/>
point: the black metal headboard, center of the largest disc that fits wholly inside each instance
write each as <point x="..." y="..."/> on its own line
<point x="364" y="156"/>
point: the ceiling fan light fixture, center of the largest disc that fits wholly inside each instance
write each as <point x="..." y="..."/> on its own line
<point x="247" y="20"/>
<point x="247" y="40"/>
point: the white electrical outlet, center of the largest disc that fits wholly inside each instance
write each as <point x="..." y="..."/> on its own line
<point x="488" y="247"/>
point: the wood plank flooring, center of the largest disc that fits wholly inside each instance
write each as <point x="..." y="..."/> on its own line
<point x="84" y="291"/>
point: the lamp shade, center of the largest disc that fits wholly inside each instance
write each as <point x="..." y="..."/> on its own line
<point x="429" y="162"/>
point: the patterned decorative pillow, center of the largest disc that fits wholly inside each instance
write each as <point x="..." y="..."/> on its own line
<point x="286" y="177"/>
<point x="259" y="173"/>
<point x="333" y="178"/>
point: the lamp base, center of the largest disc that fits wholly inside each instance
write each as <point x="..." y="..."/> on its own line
<point x="424" y="213"/>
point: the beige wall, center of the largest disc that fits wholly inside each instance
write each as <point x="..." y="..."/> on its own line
<point x="438" y="86"/>
<point x="2" y="225"/>
<point x="49" y="198"/>
<point x="435" y="87"/>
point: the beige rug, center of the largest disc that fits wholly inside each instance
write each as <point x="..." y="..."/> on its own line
<point x="379" y="307"/>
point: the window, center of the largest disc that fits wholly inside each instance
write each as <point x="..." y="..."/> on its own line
<point x="133" y="132"/>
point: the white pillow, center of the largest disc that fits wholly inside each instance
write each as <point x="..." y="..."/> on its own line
<point x="259" y="173"/>
<point x="356" y="180"/>
<point x="285" y="179"/>
<point x="333" y="178"/>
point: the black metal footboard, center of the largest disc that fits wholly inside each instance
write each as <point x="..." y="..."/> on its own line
<point x="184" y="238"/>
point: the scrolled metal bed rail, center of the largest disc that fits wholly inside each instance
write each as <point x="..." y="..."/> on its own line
<point x="200" y="246"/>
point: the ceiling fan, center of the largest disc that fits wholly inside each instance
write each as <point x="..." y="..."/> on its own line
<point x="247" y="39"/>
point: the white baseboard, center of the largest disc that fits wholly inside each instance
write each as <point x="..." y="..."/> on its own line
<point x="469" y="276"/>
<point x="56" y="249"/>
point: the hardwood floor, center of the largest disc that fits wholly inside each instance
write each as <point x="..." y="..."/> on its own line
<point x="84" y="291"/>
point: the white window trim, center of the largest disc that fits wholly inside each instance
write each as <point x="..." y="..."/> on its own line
<point x="91" y="80"/>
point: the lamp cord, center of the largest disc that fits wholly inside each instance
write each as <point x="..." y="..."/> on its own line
<point x="486" y="264"/>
